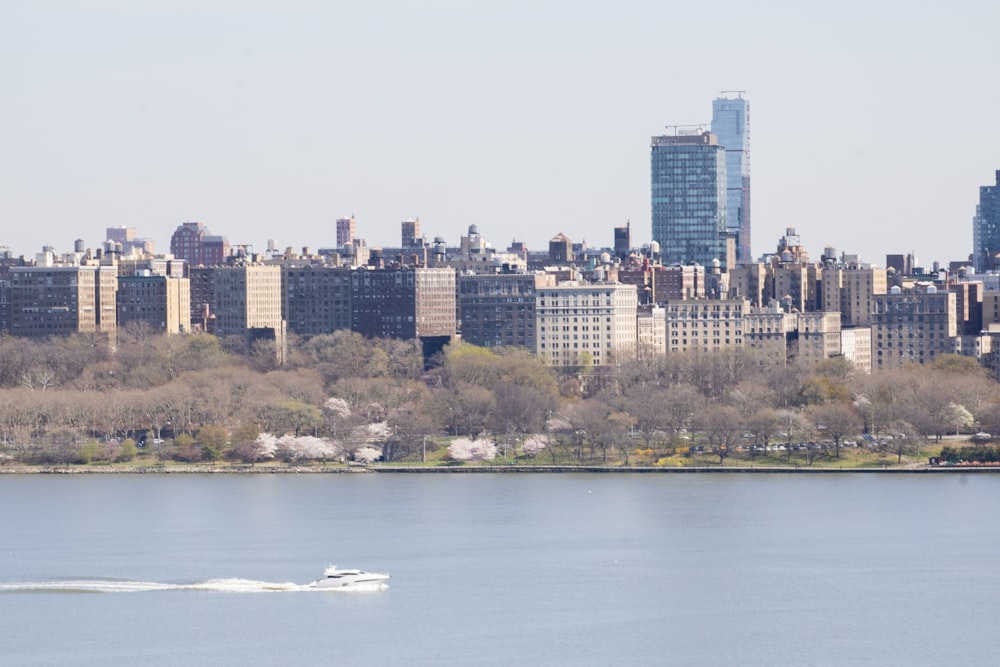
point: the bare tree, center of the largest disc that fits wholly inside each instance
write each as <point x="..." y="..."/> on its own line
<point x="836" y="420"/>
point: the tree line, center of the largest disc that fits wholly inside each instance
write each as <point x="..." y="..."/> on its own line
<point x="342" y="397"/>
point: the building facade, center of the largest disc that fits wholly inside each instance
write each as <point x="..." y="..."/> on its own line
<point x="688" y="192"/>
<point x="856" y="346"/>
<point x="705" y="325"/>
<point x="986" y="227"/>
<point x="61" y="300"/>
<point x="197" y="246"/>
<point x="912" y="326"/>
<point x="410" y="234"/>
<point x="404" y="303"/>
<point x="346" y="231"/>
<point x="499" y="309"/>
<point x="162" y="302"/>
<point x="581" y="324"/>
<point x="817" y="337"/>
<point x="731" y="124"/>
<point x="247" y="304"/>
<point x="316" y="299"/>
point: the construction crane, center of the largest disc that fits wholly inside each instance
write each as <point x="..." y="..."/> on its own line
<point x="682" y="130"/>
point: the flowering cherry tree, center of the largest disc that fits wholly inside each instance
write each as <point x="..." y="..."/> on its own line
<point x="464" y="449"/>
<point x="306" y="447"/>
<point x="367" y="454"/>
<point x="535" y="444"/>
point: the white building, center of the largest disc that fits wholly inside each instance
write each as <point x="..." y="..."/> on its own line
<point x="581" y="324"/>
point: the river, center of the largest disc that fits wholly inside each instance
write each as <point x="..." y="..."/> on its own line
<point x="500" y="569"/>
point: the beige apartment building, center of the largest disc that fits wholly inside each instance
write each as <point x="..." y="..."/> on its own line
<point x="581" y="324"/>
<point x="705" y="325"/>
<point x="818" y="336"/>
<point x="852" y="290"/>
<point x="247" y="303"/>
<point x="912" y="326"/>
<point x="162" y="302"/>
<point x="57" y="300"/>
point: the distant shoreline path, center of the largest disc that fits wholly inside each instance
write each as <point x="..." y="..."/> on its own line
<point x="401" y="469"/>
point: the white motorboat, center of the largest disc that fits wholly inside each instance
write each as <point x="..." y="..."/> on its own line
<point x="334" y="578"/>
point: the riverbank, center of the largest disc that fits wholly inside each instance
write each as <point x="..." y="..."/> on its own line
<point x="198" y="469"/>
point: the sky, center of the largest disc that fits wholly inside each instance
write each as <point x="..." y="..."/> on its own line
<point x="873" y="122"/>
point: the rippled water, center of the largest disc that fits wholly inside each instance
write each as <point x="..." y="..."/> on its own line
<point x="500" y="569"/>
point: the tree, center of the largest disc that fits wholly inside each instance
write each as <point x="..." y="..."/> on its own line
<point x="650" y="409"/>
<point x="296" y="418"/>
<point x="367" y="455"/>
<point x="836" y="420"/>
<point x="292" y="448"/>
<point x="213" y="439"/>
<point x="410" y="426"/>
<point x="721" y="423"/>
<point x="480" y="449"/>
<point x="763" y="424"/>
<point x="127" y="451"/>
<point x="466" y="409"/>
<point x="518" y="410"/>
<point x="958" y="417"/>
<point x="264" y="447"/>
<point x="535" y="444"/>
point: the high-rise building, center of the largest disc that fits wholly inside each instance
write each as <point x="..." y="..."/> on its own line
<point x="623" y="240"/>
<point x="688" y="187"/>
<point x="560" y="249"/>
<point x="346" y="229"/>
<point x="986" y="227"/>
<point x="731" y="124"/>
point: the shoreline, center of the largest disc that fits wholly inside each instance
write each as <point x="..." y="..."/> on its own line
<point x="401" y="469"/>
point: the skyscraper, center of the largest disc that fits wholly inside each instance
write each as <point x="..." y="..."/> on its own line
<point x="731" y="124"/>
<point x="688" y="184"/>
<point x="986" y="227"/>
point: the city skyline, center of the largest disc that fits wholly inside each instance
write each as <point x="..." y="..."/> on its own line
<point x="526" y="120"/>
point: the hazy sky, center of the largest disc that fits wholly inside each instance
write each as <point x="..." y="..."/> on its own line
<point x="873" y="123"/>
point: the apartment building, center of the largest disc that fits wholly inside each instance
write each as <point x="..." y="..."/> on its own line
<point x="705" y="324"/>
<point x="56" y="300"/>
<point x="582" y="324"/>
<point x="316" y="299"/>
<point x="162" y="302"/>
<point x="247" y="304"/>
<point x="912" y="326"/>
<point x="817" y="337"/>
<point x="498" y="309"/>
<point x="404" y="303"/>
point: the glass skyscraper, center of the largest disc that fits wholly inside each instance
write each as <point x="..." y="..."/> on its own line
<point x="688" y="183"/>
<point x="731" y="124"/>
<point x="986" y="227"/>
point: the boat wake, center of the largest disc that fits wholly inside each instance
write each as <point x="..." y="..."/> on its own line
<point x="129" y="586"/>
